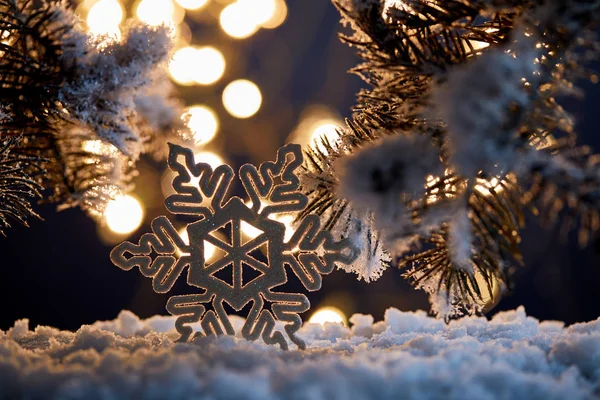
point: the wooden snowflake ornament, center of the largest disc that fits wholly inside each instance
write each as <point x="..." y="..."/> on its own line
<point x="273" y="189"/>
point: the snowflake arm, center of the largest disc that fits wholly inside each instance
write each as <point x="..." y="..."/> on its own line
<point x="280" y="197"/>
<point x="306" y="263"/>
<point x="189" y="198"/>
<point x="165" y="268"/>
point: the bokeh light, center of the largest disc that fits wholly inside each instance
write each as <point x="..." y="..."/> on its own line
<point x="259" y="11"/>
<point x="317" y="122"/>
<point x="324" y="129"/>
<point x="278" y="16"/>
<point x="242" y="98"/>
<point x="191" y="65"/>
<point x="249" y="230"/>
<point x="182" y="67"/>
<point x="104" y="18"/>
<point x="286" y="219"/>
<point x="158" y="12"/>
<point x="192" y="4"/>
<point x="209" y="158"/>
<point x="209" y="248"/>
<point x="124" y="214"/>
<point x="211" y="66"/>
<point x="490" y="296"/>
<point x="236" y="20"/>
<point x="328" y="314"/>
<point x="202" y="122"/>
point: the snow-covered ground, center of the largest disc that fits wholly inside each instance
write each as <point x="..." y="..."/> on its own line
<point x="406" y="356"/>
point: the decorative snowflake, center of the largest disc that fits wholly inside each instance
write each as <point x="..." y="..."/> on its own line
<point x="164" y="256"/>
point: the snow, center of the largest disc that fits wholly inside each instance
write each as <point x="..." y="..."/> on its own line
<point x="381" y="178"/>
<point x="407" y="355"/>
<point x="475" y="103"/>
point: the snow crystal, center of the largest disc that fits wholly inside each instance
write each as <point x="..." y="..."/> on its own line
<point x="407" y="355"/>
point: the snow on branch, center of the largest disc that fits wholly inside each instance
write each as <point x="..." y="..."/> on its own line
<point x="80" y="103"/>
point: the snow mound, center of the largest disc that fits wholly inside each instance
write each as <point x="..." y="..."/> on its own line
<point x="408" y="355"/>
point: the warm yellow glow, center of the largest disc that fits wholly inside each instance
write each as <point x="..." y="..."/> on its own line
<point x="202" y="122"/>
<point x="183" y="65"/>
<point x="324" y="129"/>
<point x="249" y="230"/>
<point x="490" y="296"/>
<point x="210" y="67"/>
<point x="278" y="17"/>
<point x="104" y="18"/>
<point x="209" y="248"/>
<point x="260" y="11"/>
<point x="100" y="148"/>
<point x="328" y="314"/>
<point x="236" y="20"/>
<point x="242" y="98"/>
<point x="190" y="65"/>
<point x="192" y="4"/>
<point x="124" y="214"/>
<point x="209" y="158"/>
<point x="485" y="187"/>
<point x="285" y="219"/>
<point x="157" y="12"/>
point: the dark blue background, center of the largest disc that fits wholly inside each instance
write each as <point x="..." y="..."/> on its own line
<point x="58" y="272"/>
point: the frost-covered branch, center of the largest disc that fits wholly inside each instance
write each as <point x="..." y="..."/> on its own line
<point x="85" y="107"/>
<point x="459" y="130"/>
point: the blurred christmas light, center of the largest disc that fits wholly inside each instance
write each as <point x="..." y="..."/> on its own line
<point x="328" y="314"/>
<point x="260" y="11"/>
<point x="242" y="98"/>
<point x="236" y="20"/>
<point x="209" y="158"/>
<point x="182" y="67"/>
<point x="278" y="16"/>
<point x="192" y="4"/>
<point x="104" y="18"/>
<point x="250" y="230"/>
<point x="316" y="122"/>
<point x="209" y="248"/>
<point x="285" y="219"/>
<point x="490" y="295"/>
<point x="124" y="214"/>
<point x="191" y="65"/>
<point x="159" y="12"/>
<point x="211" y="66"/>
<point x="324" y="129"/>
<point x="202" y="122"/>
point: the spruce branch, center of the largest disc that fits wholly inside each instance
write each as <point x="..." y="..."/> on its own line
<point x="84" y="107"/>
<point x="478" y="81"/>
<point x="17" y="189"/>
